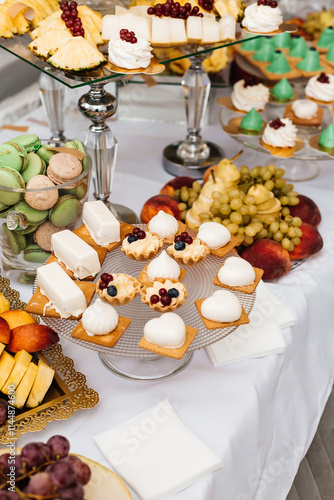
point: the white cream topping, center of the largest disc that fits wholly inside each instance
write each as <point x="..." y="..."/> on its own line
<point x="214" y="235"/>
<point x="305" y="109"/>
<point x="163" y="266"/>
<point x="124" y="284"/>
<point x="154" y="290"/>
<point x="166" y="331"/>
<point x="194" y="250"/>
<point x="283" y="137"/>
<point x="236" y="272"/>
<point x="165" y="225"/>
<point x="251" y="96"/>
<point x="150" y="243"/>
<point x="129" y="55"/>
<point x="64" y="295"/>
<point x="320" y="91"/>
<point x="262" y="18"/>
<point x="100" y="318"/>
<point x="102" y="225"/>
<point x="222" y="306"/>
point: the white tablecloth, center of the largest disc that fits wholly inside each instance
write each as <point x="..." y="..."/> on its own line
<point x="259" y="416"/>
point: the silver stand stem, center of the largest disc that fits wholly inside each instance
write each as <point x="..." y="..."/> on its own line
<point x="52" y="95"/>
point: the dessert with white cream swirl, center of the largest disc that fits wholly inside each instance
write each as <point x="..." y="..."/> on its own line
<point x="222" y="306"/>
<point x="305" y="109"/>
<point x="280" y="133"/>
<point x="141" y="245"/>
<point x="163" y="224"/>
<point x="129" y="54"/>
<point x="163" y="266"/>
<point x="320" y="88"/>
<point x="117" y="288"/>
<point x="263" y="16"/>
<point x="100" y="318"/>
<point x="248" y="94"/>
<point x="188" y="251"/>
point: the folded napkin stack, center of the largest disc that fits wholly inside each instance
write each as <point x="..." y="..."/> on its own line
<point x="156" y="454"/>
<point x="261" y="337"/>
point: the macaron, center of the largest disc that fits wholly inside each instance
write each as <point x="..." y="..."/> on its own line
<point x="79" y="191"/>
<point x="12" y="155"/>
<point x="45" y="154"/>
<point x="36" y="166"/>
<point x="43" y="235"/>
<point x="66" y="211"/>
<point x="30" y="142"/>
<point x="75" y="144"/>
<point x="63" y="167"/>
<point x="44" y="197"/>
<point x="11" y="178"/>
<point x="33" y="253"/>
<point x="16" y="241"/>
<point x="33" y="216"/>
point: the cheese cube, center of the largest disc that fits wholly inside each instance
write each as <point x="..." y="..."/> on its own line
<point x="160" y="32"/>
<point x="194" y="29"/>
<point x="177" y="32"/>
<point x="227" y="26"/>
<point x="210" y="30"/>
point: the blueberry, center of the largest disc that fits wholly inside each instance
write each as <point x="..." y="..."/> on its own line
<point x="112" y="290"/>
<point x="180" y="245"/>
<point x="132" y="238"/>
<point x="173" y="292"/>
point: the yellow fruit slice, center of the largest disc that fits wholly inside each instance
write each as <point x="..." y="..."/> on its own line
<point x="24" y="387"/>
<point x="4" y="304"/>
<point x="6" y="365"/>
<point x="2" y="347"/>
<point x="21" y="360"/>
<point x="76" y="54"/>
<point x="46" y="44"/>
<point x="41" y="384"/>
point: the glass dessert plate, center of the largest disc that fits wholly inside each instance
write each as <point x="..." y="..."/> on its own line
<point x="68" y="391"/>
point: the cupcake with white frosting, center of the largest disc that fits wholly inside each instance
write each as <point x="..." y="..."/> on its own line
<point x="248" y="94"/>
<point x="280" y="133"/>
<point x="320" y="88"/>
<point x="263" y="16"/>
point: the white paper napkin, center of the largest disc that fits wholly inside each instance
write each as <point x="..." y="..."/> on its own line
<point x="261" y="337"/>
<point x="156" y="453"/>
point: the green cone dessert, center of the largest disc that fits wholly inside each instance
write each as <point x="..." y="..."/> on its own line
<point x="311" y="61"/>
<point x="251" y="44"/>
<point x="279" y="64"/>
<point x="265" y="54"/>
<point x="330" y="54"/>
<point x="298" y="47"/>
<point x="326" y="140"/>
<point x="266" y="40"/>
<point x="326" y="38"/>
<point x="282" y="41"/>
<point x="251" y="123"/>
<point x="282" y="91"/>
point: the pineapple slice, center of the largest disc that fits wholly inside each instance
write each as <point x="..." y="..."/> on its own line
<point x="76" y="54"/>
<point x="54" y="24"/>
<point x="25" y="386"/>
<point x="21" y="23"/>
<point x="6" y="365"/>
<point x="233" y="7"/>
<point x="88" y="25"/>
<point x="96" y="16"/>
<point x="4" y="304"/>
<point x="41" y="384"/>
<point x="7" y="27"/>
<point x="2" y="347"/>
<point x="48" y="19"/>
<point x="22" y="360"/>
<point x="46" y="44"/>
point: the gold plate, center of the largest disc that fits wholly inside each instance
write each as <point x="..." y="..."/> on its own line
<point x="314" y="143"/>
<point x="283" y="28"/>
<point x="154" y="68"/>
<point x="68" y="391"/>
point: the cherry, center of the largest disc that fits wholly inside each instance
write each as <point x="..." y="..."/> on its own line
<point x="166" y="300"/>
<point x="162" y="291"/>
<point x="154" y="299"/>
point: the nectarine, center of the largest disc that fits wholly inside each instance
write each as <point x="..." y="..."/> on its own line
<point x="307" y="210"/>
<point x="16" y="317"/>
<point x="4" y="331"/>
<point x="159" y="202"/>
<point x="310" y="243"/>
<point x="269" y="256"/>
<point x="32" y="338"/>
<point x="176" y="183"/>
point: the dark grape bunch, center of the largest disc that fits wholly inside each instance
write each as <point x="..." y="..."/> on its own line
<point x="71" y="18"/>
<point x="44" y="471"/>
<point x="128" y="36"/>
<point x="175" y="10"/>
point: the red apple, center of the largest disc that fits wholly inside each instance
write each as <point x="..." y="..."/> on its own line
<point x="269" y="256"/>
<point x="311" y="242"/>
<point x="176" y="183"/>
<point x="159" y="202"/>
<point x="307" y="210"/>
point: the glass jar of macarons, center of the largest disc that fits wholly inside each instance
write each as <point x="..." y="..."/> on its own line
<point x="42" y="191"/>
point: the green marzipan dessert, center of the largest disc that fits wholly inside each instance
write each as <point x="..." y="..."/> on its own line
<point x="279" y="64"/>
<point x="326" y="140"/>
<point x="326" y="38"/>
<point x="298" y="47"/>
<point x="282" y="91"/>
<point x="311" y="61"/>
<point x="251" y="123"/>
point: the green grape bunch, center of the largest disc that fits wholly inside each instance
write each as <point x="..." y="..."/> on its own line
<point x="186" y="197"/>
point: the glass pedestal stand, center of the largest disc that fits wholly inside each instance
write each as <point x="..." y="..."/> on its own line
<point x="193" y="156"/>
<point x="52" y="94"/>
<point x="101" y="145"/>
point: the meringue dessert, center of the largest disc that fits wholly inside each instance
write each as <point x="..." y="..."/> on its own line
<point x="164" y="294"/>
<point x="321" y="88"/>
<point x="117" y="288"/>
<point x="163" y="224"/>
<point x="304" y="112"/>
<point x="248" y="94"/>
<point x="163" y="266"/>
<point x="280" y="133"/>
<point x="99" y="318"/>
<point x="215" y="235"/>
<point x="236" y="272"/>
<point x="188" y="251"/>
<point x="221" y="307"/>
<point x="128" y="51"/>
<point x="262" y="18"/>
<point x="141" y="245"/>
<point x="168" y="331"/>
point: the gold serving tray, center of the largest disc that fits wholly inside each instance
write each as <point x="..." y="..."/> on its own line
<point x="67" y="393"/>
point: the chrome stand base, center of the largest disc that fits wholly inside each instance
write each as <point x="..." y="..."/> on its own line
<point x="176" y="166"/>
<point x="123" y="213"/>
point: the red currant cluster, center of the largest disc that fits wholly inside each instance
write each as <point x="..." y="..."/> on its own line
<point x="71" y="18"/>
<point x="137" y="234"/>
<point x="323" y="78"/>
<point x="105" y="280"/>
<point x="206" y="4"/>
<point x="276" y="124"/>
<point x="250" y="81"/>
<point x="165" y="296"/>
<point x="181" y="240"/>
<point x="175" y="10"/>
<point x="269" y="3"/>
<point x="128" y="36"/>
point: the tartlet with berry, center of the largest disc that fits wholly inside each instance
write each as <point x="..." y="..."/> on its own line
<point x="188" y="250"/>
<point x="141" y="245"/>
<point x="117" y="288"/>
<point x="164" y="295"/>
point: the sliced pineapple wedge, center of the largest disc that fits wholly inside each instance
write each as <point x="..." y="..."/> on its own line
<point x="22" y="360"/>
<point x="55" y="23"/>
<point x="46" y="45"/>
<point x="7" y="28"/>
<point x="96" y="16"/>
<point x="76" y="54"/>
<point x="41" y="384"/>
<point x="24" y="387"/>
<point x="90" y="27"/>
<point x="6" y="365"/>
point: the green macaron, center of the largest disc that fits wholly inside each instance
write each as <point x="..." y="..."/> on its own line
<point x="45" y="154"/>
<point x="9" y="177"/>
<point x="79" y="191"/>
<point x="65" y="211"/>
<point x="34" y="253"/>
<point x="36" y="166"/>
<point x="33" y="215"/>
<point x="30" y="142"/>
<point x="80" y="147"/>
<point x="13" y="155"/>
<point x="16" y="241"/>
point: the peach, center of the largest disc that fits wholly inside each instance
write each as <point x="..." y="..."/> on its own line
<point x="307" y="210"/>
<point x="159" y="202"/>
<point x="32" y="338"/>
<point x="176" y="183"/>
<point x="269" y="256"/>
<point x="16" y="317"/>
<point x="310" y="243"/>
<point x="4" y="331"/>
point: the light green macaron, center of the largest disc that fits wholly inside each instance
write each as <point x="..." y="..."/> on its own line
<point x="9" y="177"/>
<point x="65" y="211"/>
<point x="30" y="142"/>
<point x="16" y="241"/>
<point x="34" y="253"/>
<point x="45" y="154"/>
<point x="75" y="144"/>
<point x="33" y="216"/>
<point x="13" y="155"/>
<point x="36" y="166"/>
